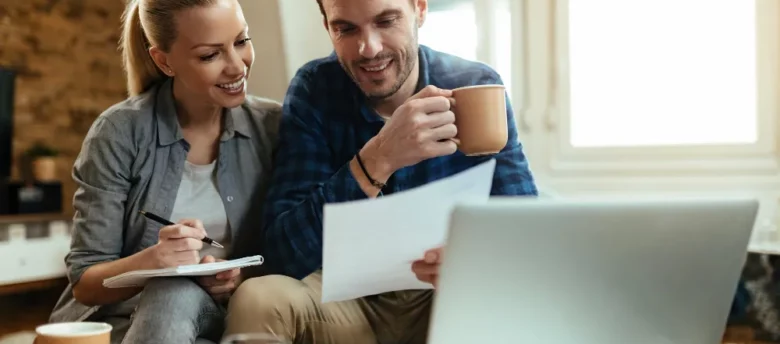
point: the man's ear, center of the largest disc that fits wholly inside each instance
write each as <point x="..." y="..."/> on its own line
<point x="421" y="9"/>
<point x="325" y="23"/>
<point x="160" y="59"/>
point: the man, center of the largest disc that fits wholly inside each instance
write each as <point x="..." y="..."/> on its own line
<point x="373" y="118"/>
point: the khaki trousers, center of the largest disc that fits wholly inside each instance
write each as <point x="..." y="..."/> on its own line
<point x="291" y="309"/>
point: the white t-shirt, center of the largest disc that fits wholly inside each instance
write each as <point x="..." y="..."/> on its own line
<point x="198" y="198"/>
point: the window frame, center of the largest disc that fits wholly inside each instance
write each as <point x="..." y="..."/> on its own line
<point x="566" y="160"/>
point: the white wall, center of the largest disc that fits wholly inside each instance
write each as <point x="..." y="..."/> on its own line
<point x="305" y="37"/>
<point x="268" y="77"/>
<point x="285" y="34"/>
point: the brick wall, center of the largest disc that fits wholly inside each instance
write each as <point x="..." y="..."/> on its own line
<point x="69" y="71"/>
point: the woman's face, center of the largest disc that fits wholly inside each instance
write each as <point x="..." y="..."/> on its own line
<point x="212" y="55"/>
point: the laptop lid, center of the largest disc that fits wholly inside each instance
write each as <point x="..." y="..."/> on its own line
<point x="520" y="270"/>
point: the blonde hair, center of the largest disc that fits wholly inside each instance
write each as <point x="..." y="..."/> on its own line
<point x="148" y="23"/>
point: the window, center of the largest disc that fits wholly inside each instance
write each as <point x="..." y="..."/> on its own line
<point x="452" y="29"/>
<point x="651" y="87"/>
<point x="456" y="27"/>
<point x="502" y="47"/>
<point x="663" y="72"/>
<point x="645" y="97"/>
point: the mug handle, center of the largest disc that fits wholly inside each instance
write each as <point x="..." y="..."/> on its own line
<point x="452" y="108"/>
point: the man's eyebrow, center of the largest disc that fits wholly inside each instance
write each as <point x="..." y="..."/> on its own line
<point x="385" y="13"/>
<point x="340" y="22"/>
<point x="388" y="13"/>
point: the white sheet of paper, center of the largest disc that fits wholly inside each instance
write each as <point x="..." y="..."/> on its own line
<point x="369" y="245"/>
<point x="140" y="277"/>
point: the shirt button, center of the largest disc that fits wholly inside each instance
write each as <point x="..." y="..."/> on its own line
<point x="230" y="198"/>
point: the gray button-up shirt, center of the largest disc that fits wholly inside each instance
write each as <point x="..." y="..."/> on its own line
<point x="132" y="159"/>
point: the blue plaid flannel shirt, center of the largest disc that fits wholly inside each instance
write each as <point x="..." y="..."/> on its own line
<point x="325" y="123"/>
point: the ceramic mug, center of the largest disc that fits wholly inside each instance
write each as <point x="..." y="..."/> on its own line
<point x="480" y="116"/>
<point x="74" y="332"/>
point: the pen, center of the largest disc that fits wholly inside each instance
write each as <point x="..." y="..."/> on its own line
<point x="165" y="222"/>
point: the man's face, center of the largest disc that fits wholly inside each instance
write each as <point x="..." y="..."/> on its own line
<point x="376" y="41"/>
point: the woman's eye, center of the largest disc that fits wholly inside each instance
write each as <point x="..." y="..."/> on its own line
<point x="208" y="57"/>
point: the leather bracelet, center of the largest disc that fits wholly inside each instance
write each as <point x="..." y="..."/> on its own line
<point x="375" y="183"/>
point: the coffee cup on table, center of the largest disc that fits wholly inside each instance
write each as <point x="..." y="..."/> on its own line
<point x="74" y="332"/>
<point x="481" y="119"/>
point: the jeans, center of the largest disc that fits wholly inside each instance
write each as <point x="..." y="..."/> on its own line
<point x="172" y="311"/>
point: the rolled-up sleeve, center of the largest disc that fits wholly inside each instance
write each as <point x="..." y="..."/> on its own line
<point x="101" y="172"/>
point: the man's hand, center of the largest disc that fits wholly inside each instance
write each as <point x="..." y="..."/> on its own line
<point x="427" y="269"/>
<point x="420" y="129"/>
<point x="221" y="285"/>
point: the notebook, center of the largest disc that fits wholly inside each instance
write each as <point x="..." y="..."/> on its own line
<point x="139" y="278"/>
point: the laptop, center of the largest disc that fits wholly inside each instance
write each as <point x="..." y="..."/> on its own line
<point x="519" y="270"/>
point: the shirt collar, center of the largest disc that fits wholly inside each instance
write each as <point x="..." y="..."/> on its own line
<point x="169" y="130"/>
<point x="423" y="80"/>
<point x="236" y="123"/>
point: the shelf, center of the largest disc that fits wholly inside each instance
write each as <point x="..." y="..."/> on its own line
<point x="28" y="218"/>
<point x="33" y="248"/>
<point x="58" y="283"/>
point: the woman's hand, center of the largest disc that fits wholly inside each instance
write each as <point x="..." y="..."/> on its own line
<point x="221" y="285"/>
<point x="178" y="244"/>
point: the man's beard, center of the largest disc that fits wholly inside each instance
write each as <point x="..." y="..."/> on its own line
<point x="404" y="69"/>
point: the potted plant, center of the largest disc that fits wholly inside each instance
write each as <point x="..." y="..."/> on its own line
<point x="43" y="161"/>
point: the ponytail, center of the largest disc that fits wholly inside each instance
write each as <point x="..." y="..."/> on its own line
<point x="140" y="69"/>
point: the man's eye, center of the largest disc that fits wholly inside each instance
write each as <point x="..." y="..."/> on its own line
<point x="387" y="22"/>
<point x="345" y="29"/>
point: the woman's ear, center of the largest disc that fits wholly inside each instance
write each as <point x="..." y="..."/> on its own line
<point x="160" y="59"/>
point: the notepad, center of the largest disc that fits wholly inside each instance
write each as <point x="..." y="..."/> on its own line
<point x="139" y="278"/>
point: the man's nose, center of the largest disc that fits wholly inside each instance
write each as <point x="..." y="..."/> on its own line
<point x="370" y="45"/>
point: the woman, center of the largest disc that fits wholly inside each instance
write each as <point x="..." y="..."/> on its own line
<point x="188" y="145"/>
